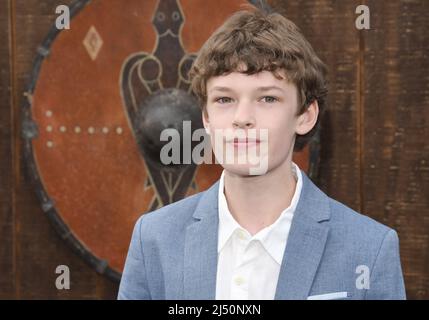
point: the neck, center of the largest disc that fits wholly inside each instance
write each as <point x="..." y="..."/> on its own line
<point x="256" y="202"/>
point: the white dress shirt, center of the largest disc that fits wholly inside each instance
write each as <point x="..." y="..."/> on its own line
<point x="248" y="266"/>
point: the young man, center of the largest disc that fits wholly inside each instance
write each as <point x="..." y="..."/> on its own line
<point x="272" y="235"/>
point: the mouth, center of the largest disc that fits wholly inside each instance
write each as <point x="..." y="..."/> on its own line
<point x="244" y="142"/>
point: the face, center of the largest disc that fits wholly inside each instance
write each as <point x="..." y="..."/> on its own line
<point x="262" y="107"/>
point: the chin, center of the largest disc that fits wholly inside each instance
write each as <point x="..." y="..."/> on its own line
<point x="245" y="170"/>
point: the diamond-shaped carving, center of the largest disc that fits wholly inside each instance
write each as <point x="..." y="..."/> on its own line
<point x="93" y="42"/>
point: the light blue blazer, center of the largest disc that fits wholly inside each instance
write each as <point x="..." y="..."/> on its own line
<point x="332" y="252"/>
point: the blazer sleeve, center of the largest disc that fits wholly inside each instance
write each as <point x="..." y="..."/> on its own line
<point x="134" y="285"/>
<point x="386" y="280"/>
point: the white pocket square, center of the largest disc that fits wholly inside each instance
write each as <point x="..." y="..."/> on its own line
<point x="329" y="296"/>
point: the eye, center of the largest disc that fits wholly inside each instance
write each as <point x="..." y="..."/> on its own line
<point x="160" y="16"/>
<point x="223" y="100"/>
<point x="270" y="99"/>
<point x="175" y="15"/>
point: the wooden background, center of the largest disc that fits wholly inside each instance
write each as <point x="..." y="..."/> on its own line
<point x="374" y="157"/>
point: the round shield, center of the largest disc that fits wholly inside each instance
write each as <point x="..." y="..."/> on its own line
<point x="100" y="94"/>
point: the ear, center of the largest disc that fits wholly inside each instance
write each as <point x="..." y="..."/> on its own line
<point x="308" y="119"/>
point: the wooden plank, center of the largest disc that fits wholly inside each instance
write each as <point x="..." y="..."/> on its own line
<point x="329" y="26"/>
<point x="7" y="283"/>
<point x="396" y="158"/>
<point x="38" y="249"/>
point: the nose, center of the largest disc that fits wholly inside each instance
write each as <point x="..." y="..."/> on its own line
<point x="243" y="117"/>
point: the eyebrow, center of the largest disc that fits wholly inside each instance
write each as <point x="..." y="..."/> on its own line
<point x="261" y="89"/>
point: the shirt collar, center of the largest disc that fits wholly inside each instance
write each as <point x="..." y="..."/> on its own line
<point x="273" y="237"/>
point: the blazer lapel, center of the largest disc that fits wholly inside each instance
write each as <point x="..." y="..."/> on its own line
<point x="305" y="244"/>
<point x="200" y="260"/>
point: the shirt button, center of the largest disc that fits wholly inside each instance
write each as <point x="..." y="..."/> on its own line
<point x="242" y="234"/>
<point x="239" y="281"/>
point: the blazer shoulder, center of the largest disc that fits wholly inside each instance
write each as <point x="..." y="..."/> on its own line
<point x="366" y="242"/>
<point x="355" y="224"/>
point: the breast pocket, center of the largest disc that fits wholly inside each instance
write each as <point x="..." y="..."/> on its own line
<point x="329" y="296"/>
